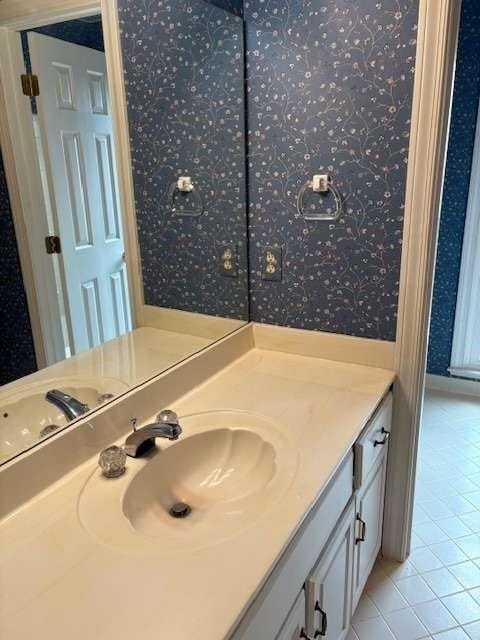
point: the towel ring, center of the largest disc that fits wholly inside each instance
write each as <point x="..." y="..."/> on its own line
<point x="319" y="184"/>
<point x="181" y="188"/>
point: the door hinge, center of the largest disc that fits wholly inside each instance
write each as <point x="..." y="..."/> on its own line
<point x="30" y="85"/>
<point x="52" y="244"/>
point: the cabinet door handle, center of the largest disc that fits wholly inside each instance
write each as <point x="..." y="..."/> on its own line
<point x="384" y="440"/>
<point x="304" y="635"/>
<point x="324" y="621"/>
<point x="363" y="530"/>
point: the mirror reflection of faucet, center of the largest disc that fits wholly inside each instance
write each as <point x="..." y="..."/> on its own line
<point x="70" y="406"/>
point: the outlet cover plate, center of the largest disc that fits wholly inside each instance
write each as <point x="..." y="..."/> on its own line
<point x="272" y="264"/>
<point x="228" y="260"/>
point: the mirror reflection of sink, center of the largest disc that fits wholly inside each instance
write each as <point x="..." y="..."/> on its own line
<point x="197" y="492"/>
<point x="26" y="417"/>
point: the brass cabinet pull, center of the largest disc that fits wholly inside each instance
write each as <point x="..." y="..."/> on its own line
<point x="324" y="621"/>
<point x="363" y="530"/>
<point x="384" y="440"/>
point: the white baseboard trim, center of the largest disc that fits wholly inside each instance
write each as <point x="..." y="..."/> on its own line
<point x="453" y="385"/>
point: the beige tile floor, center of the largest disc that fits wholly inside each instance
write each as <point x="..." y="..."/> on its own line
<point x="435" y="594"/>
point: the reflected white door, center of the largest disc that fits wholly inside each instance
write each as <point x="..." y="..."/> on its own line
<point x="76" y="131"/>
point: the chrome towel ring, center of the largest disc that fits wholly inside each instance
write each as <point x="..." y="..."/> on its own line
<point x="184" y="198"/>
<point x="322" y="184"/>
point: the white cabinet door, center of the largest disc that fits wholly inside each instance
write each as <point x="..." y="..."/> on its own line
<point x="266" y="617"/>
<point x="294" y="626"/>
<point x="368" y="525"/>
<point x="329" y="587"/>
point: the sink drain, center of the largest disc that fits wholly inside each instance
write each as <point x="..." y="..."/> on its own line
<point x="180" y="510"/>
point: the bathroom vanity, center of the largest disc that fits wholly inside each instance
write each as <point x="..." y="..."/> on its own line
<point x="329" y="560"/>
<point x="282" y="460"/>
<point x="146" y="253"/>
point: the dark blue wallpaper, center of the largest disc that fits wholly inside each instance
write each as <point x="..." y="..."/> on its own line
<point x="17" y="355"/>
<point x="184" y="82"/>
<point x="455" y="195"/>
<point x="234" y="6"/>
<point x="329" y="91"/>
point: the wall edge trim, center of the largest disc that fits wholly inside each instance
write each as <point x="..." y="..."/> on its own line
<point x="436" y="52"/>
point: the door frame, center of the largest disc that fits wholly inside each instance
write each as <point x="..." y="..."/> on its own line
<point x="21" y="164"/>
<point x="438" y="25"/>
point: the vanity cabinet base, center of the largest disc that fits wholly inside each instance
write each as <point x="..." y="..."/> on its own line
<point x="340" y="539"/>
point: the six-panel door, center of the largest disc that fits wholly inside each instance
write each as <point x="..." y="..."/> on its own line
<point x="77" y="139"/>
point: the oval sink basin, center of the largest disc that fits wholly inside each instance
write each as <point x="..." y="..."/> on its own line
<point x="215" y="473"/>
<point x="197" y="492"/>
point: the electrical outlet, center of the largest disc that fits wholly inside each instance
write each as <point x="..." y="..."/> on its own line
<point x="228" y="260"/>
<point x="272" y="264"/>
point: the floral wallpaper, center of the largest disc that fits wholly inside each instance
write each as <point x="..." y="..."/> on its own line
<point x="329" y="91"/>
<point x="466" y="97"/>
<point x="234" y="6"/>
<point x="184" y="80"/>
<point x="17" y="355"/>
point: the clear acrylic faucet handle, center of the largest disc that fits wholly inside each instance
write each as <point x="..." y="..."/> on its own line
<point x="167" y="416"/>
<point x="112" y="462"/>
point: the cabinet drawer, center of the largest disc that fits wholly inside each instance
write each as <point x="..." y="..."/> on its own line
<point x="373" y="441"/>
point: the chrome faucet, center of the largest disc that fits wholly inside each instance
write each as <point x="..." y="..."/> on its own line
<point x="70" y="406"/>
<point x="142" y="440"/>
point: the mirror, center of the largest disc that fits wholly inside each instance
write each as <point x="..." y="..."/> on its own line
<point x="100" y="296"/>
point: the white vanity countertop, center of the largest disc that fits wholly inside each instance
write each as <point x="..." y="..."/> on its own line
<point x="57" y="581"/>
